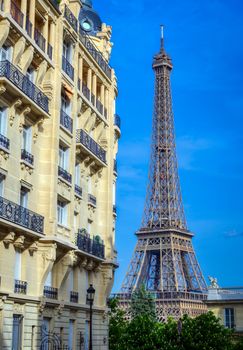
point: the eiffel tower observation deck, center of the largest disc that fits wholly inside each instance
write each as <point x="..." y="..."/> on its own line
<point x="164" y="260"/>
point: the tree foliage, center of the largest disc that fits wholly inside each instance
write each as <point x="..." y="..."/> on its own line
<point x="143" y="332"/>
<point x="142" y="303"/>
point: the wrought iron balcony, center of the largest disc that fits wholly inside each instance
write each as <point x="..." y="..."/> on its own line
<point x="92" y="200"/>
<point x="117" y="121"/>
<point x="28" y="26"/>
<point x="66" y="121"/>
<point x="86" y="91"/>
<point x="74" y="297"/>
<point x="78" y="190"/>
<point x="99" y="106"/>
<point x="49" y="51"/>
<point x="114" y="209"/>
<point x="67" y="67"/>
<point x="50" y="292"/>
<point x="21" y="216"/>
<point x="64" y="174"/>
<point x="72" y="20"/>
<point x="91" y="246"/>
<point x="115" y="166"/>
<point x="40" y="40"/>
<point x="20" y="287"/>
<point x="22" y="82"/>
<point x="4" y="141"/>
<point x="83" y="138"/>
<point x="16" y="13"/>
<point x="27" y="157"/>
<point x="95" y="53"/>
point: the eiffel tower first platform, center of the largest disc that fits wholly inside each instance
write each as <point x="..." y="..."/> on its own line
<point x="164" y="260"/>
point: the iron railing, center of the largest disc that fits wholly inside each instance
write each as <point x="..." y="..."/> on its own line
<point x="49" y="50"/>
<point x="16" y="13"/>
<point x="115" y="166"/>
<point x="4" y="141"/>
<point x="72" y="20"/>
<point x="50" y="292"/>
<point x="27" y="157"/>
<point x="83" y="138"/>
<point x="165" y="295"/>
<point x="92" y="199"/>
<point x="66" y="121"/>
<point x="40" y="40"/>
<point x="64" y="174"/>
<point x="78" y="190"/>
<point x="28" y="26"/>
<point x="74" y="297"/>
<point x="67" y="67"/>
<point x="117" y="121"/>
<point x="20" y="287"/>
<point x="89" y="245"/>
<point x="86" y="91"/>
<point x="22" y="82"/>
<point x="21" y="216"/>
<point x="95" y="53"/>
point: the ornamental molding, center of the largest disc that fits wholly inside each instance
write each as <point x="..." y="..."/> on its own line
<point x="9" y="238"/>
<point x="19" y="243"/>
<point x="50" y="253"/>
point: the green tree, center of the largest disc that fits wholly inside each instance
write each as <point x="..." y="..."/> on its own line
<point x="142" y="303"/>
<point x="117" y="326"/>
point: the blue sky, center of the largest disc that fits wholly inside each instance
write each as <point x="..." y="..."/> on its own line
<point x="204" y="39"/>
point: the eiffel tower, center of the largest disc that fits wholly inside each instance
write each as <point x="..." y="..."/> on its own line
<point x="164" y="260"/>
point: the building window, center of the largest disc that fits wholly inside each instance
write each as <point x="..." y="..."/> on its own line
<point x="77" y="174"/>
<point x="48" y="282"/>
<point x="2" y="178"/>
<point x="30" y="74"/>
<point x="18" y="265"/>
<point x="67" y="50"/>
<point x="66" y="105"/>
<point x="17" y="332"/>
<point x="229" y="317"/>
<point x="5" y="53"/>
<point x="45" y="329"/>
<point x="71" y="334"/>
<point x="3" y="121"/>
<point x="62" y="212"/>
<point x="24" y="194"/>
<point x="27" y="138"/>
<point x="63" y="157"/>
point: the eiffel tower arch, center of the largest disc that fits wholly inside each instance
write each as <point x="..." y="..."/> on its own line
<point x="164" y="260"/>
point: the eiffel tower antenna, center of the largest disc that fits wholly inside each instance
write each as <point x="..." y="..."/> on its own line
<point x="164" y="260"/>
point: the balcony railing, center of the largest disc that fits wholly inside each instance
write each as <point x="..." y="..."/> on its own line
<point x="83" y="138"/>
<point x="27" y="157"/>
<point x="115" y="166"/>
<point x="92" y="200"/>
<point x="67" y="67"/>
<point x="64" y="174"/>
<point x="9" y="71"/>
<point x="95" y="53"/>
<point x="99" y="106"/>
<point x="16" y="13"/>
<point x="71" y="18"/>
<point x="78" y="190"/>
<point x="21" y="216"/>
<point x="66" y="121"/>
<point x="50" y="292"/>
<point x="49" y="50"/>
<point x="20" y="287"/>
<point x="40" y="40"/>
<point x="91" y="246"/>
<point x="28" y="26"/>
<point x="117" y="121"/>
<point x="74" y="297"/>
<point x="86" y="91"/>
<point x="4" y="141"/>
<point x="165" y="295"/>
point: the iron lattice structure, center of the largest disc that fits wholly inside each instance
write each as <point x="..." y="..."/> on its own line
<point x="164" y="259"/>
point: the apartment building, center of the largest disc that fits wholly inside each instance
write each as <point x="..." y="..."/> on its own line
<point x="59" y="136"/>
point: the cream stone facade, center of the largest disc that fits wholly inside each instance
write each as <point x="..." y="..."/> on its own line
<point x="227" y="304"/>
<point x="58" y="144"/>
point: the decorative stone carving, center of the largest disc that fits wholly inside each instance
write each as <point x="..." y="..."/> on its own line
<point x="90" y="265"/>
<point x="41" y="73"/>
<point x="4" y="31"/>
<point x="213" y="282"/>
<point x="2" y="302"/>
<point x="33" y="248"/>
<point x="50" y="253"/>
<point x="83" y="263"/>
<point x="8" y="239"/>
<point x="70" y="259"/>
<point x="42" y="304"/>
<point x="18" y="50"/>
<point x="26" y="59"/>
<point x="60" y="308"/>
<point x="24" y="113"/>
<point x="18" y="308"/>
<point x="79" y="106"/>
<point x="2" y="88"/>
<point x="19" y="243"/>
<point x="12" y="110"/>
<point x="26" y="168"/>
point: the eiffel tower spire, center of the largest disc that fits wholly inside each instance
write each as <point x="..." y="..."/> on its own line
<point x="164" y="260"/>
<point x="163" y="206"/>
